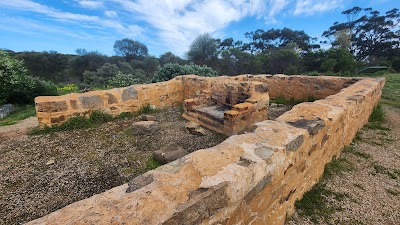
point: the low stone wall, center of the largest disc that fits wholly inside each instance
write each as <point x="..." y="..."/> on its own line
<point x="58" y="109"/>
<point x="6" y="109"/>
<point x="52" y="110"/>
<point x="252" y="178"/>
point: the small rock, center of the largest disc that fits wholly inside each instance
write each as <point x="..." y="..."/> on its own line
<point x="195" y="128"/>
<point x="169" y="154"/>
<point x="144" y="127"/>
<point x="50" y="162"/>
<point x="274" y="105"/>
<point x="149" y="118"/>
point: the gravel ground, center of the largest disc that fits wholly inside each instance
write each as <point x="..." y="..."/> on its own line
<point x="86" y="162"/>
<point x="373" y="187"/>
<point x="40" y="174"/>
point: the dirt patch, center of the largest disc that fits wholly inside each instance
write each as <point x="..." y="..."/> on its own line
<point x="18" y="129"/>
<point x="372" y="188"/>
<point x="40" y="174"/>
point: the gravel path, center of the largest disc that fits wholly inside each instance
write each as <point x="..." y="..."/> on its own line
<point x="18" y="129"/>
<point x="372" y="189"/>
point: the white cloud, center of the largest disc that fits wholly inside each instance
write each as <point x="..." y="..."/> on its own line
<point x="111" y="13"/>
<point x="308" y="7"/>
<point x="276" y="6"/>
<point x="80" y="19"/>
<point x="178" y="22"/>
<point x="90" y="4"/>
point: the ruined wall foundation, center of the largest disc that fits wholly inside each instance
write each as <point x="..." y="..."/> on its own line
<point x="253" y="178"/>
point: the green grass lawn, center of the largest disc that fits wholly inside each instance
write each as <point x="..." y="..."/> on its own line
<point x="21" y="113"/>
<point x="391" y="91"/>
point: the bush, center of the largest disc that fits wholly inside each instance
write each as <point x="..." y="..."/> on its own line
<point x="16" y="86"/>
<point x="171" y="70"/>
<point x="123" y="80"/>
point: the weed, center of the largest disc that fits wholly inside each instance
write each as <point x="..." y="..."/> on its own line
<point x="376" y="126"/>
<point x="99" y="117"/>
<point x="386" y="171"/>
<point x="146" y="109"/>
<point x="20" y="113"/>
<point x="314" y="203"/>
<point x="337" y="166"/>
<point x="152" y="164"/>
<point x="125" y="115"/>
<point x="358" y="137"/>
<point x="350" y="149"/>
<point x="377" y="115"/>
<point x="392" y="192"/>
<point x="79" y="122"/>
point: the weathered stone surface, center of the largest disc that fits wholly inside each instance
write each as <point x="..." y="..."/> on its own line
<point x="129" y="93"/>
<point x="139" y="182"/>
<point x="52" y="106"/>
<point x="312" y="126"/>
<point x="169" y="154"/>
<point x="258" y="188"/>
<point x="195" y="128"/>
<point x="91" y="102"/>
<point x="144" y="127"/>
<point x="202" y="204"/>
<point x="111" y="99"/>
<point x="149" y="118"/>
<point x="295" y="144"/>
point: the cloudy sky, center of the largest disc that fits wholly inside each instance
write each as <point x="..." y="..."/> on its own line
<point x="163" y="25"/>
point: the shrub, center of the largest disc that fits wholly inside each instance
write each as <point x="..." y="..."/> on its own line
<point x="68" y="88"/>
<point x="123" y="80"/>
<point x="16" y="86"/>
<point x="171" y="70"/>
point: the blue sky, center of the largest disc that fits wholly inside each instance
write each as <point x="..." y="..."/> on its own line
<point x="163" y="25"/>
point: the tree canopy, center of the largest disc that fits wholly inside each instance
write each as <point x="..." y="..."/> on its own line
<point x="130" y="49"/>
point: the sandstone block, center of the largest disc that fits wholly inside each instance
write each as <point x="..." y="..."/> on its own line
<point x="169" y="154"/>
<point x="149" y="118"/>
<point x="144" y="127"/>
<point x="91" y="102"/>
<point x="52" y="106"/>
<point x="129" y="94"/>
<point x="195" y="128"/>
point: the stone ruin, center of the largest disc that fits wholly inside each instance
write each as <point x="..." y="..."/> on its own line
<point x="251" y="178"/>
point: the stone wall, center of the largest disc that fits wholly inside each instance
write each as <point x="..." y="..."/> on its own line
<point x="6" y="109"/>
<point x="52" y="110"/>
<point x="58" y="109"/>
<point x="252" y="178"/>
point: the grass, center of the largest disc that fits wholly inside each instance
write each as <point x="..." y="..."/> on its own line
<point x="350" y="149"/>
<point x="292" y="101"/>
<point x="379" y="169"/>
<point x="152" y="164"/>
<point x="391" y="91"/>
<point x="20" y="113"/>
<point x="314" y="204"/>
<point x="376" y="119"/>
<point x="96" y="118"/>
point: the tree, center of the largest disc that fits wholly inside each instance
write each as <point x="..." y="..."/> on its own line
<point x="169" y="57"/>
<point x="130" y="49"/>
<point x="203" y="50"/>
<point x="372" y="34"/>
<point x="261" y="40"/>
